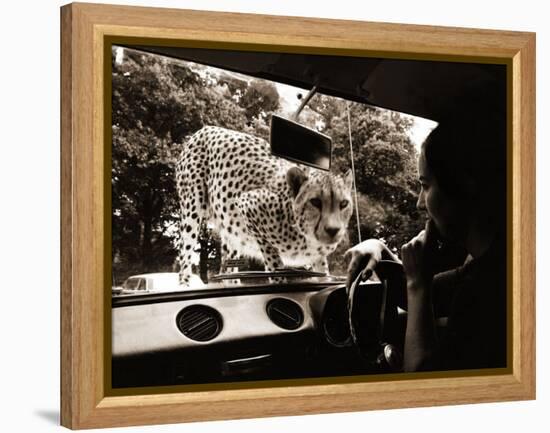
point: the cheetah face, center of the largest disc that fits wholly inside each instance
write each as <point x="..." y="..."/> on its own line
<point x="322" y="204"/>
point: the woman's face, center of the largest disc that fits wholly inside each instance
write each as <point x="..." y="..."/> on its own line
<point x="449" y="215"/>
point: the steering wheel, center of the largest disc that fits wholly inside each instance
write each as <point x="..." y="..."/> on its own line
<point x="373" y="317"/>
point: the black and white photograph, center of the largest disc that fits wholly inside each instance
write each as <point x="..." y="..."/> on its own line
<point x="304" y="216"/>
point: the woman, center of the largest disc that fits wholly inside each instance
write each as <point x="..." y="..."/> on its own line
<point x="462" y="174"/>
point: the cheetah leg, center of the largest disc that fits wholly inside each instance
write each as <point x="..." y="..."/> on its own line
<point x="188" y="227"/>
<point x="321" y="265"/>
<point x="251" y="207"/>
<point x="272" y="260"/>
<point x="192" y="209"/>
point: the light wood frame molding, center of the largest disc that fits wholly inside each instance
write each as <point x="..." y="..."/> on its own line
<point x="84" y="400"/>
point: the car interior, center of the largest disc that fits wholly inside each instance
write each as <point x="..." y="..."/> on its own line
<point x="246" y="327"/>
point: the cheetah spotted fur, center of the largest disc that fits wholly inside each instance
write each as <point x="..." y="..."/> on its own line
<point x="262" y="206"/>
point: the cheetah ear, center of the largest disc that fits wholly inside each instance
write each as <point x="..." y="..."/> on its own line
<point x="348" y="179"/>
<point x="295" y="178"/>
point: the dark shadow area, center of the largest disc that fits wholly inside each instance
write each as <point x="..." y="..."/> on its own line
<point x="50" y="415"/>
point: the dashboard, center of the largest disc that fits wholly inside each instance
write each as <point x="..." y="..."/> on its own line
<point x="236" y="334"/>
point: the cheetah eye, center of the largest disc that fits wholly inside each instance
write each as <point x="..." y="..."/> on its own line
<point x="344" y="204"/>
<point x="316" y="202"/>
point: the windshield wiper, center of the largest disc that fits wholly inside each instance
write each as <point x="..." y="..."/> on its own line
<point x="281" y="272"/>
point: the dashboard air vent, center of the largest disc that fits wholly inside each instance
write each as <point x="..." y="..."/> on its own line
<point x="199" y="322"/>
<point x="285" y="313"/>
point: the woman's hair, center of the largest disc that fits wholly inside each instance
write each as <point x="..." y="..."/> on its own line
<point x="466" y="152"/>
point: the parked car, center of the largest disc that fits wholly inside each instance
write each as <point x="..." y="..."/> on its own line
<point x="154" y="283"/>
<point x="116" y="290"/>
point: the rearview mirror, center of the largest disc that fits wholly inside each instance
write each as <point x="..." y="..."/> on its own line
<point x="300" y="144"/>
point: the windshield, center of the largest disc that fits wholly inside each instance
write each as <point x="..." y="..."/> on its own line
<point x="196" y="190"/>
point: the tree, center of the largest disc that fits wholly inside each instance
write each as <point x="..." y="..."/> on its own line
<point x="259" y="99"/>
<point x="156" y="104"/>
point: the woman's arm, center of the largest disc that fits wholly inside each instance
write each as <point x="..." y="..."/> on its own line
<point x="420" y="336"/>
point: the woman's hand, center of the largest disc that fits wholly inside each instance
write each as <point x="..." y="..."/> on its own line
<point x="364" y="257"/>
<point x="418" y="257"/>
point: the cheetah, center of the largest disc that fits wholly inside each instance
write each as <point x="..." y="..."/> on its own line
<point x="263" y="207"/>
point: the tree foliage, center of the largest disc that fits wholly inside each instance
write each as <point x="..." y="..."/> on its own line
<point x="156" y="104"/>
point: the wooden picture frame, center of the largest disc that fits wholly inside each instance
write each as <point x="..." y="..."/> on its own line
<point x="85" y="28"/>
